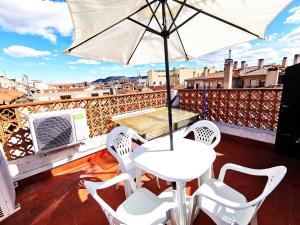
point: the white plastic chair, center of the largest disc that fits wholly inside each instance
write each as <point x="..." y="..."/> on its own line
<point x="119" y="144"/>
<point x="224" y="205"/>
<point x="207" y="133"/>
<point x="141" y="207"/>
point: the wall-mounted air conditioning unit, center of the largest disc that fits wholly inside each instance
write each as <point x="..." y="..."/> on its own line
<point x="57" y="129"/>
<point x="7" y="190"/>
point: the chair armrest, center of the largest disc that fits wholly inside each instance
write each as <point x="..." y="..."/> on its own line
<point x="222" y="201"/>
<point x="138" y="137"/>
<point x="93" y="186"/>
<point x="242" y="169"/>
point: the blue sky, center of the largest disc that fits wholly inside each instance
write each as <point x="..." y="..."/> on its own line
<point x="34" y="34"/>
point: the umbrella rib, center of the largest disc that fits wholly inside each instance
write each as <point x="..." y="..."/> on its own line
<point x="143" y="34"/>
<point x="147" y="27"/>
<point x="88" y="39"/>
<point x="186" y="56"/>
<point x="153" y="13"/>
<point x="217" y="18"/>
<point x="173" y="22"/>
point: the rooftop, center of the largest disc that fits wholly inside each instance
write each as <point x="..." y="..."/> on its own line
<point x="7" y="96"/>
<point x="58" y="197"/>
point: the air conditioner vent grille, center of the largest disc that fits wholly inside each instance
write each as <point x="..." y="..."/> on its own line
<point x="53" y="132"/>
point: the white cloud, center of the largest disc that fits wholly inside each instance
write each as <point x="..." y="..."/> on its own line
<point x="217" y="58"/>
<point x="55" y="55"/>
<point x="42" y="63"/>
<point x="84" y="61"/>
<point x="72" y="67"/>
<point x="292" y="38"/>
<point x="242" y="52"/>
<point x="295" y="17"/>
<point x="272" y="37"/>
<point x="290" y="51"/>
<point x="36" y="17"/>
<point x="22" y="51"/>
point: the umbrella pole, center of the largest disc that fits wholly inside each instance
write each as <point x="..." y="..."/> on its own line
<point x="169" y="102"/>
<point x="165" y="35"/>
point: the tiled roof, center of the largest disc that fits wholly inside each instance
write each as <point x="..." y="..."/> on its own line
<point x="7" y="96"/>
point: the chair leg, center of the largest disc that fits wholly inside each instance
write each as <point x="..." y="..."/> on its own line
<point x="212" y="173"/>
<point x="117" y="185"/>
<point x="199" y="180"/>
<point x="207" y="175"/>
<point x="254" y="220"/>
<point x="157" y="182"/>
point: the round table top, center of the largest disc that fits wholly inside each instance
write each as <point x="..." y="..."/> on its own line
<point x="188" y="160"/>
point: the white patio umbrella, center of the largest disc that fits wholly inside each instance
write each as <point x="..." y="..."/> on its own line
<point x="137" y="31"/>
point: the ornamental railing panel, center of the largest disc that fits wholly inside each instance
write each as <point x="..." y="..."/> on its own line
<point x="257" y="108"/>
<point x="15" y="134"/>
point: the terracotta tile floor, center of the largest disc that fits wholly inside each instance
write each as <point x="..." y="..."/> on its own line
<point x="62" y="199"/>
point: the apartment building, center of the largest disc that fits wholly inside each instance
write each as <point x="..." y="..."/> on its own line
<point x="13" y="84"/>
<point x="258" y="76"/>
<point x="156" y="78"/>
<point x="177" y="75"/>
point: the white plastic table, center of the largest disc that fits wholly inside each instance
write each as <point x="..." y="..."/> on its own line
<point x="189" y="160"/>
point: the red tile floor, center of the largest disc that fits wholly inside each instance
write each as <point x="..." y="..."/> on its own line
<point x="59" y="198"/>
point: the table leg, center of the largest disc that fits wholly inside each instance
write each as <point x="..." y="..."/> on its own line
<point x="138" y="177"/>
<point x="180" y="196"/>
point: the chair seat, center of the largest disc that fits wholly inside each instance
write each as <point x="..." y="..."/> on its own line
<point x="219" y="213"/>
<point x="139" y="207"/>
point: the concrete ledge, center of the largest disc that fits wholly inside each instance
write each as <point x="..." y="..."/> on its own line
<point x="257" y="134"/>
<point x="38" y="163"/>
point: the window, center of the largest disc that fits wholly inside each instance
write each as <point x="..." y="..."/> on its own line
<point x="65" y="97"/>
<point x="154" y="83"/>
<point x="160" y="83"/>
<point x="262" y="83"/>
<point x="95" y="94"/>
<point x="197" y="86"/>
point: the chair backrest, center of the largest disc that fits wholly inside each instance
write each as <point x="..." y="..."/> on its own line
<point x="119" y="144"/>
<point x="205" y="132"/>
<point x="275" y="175"/>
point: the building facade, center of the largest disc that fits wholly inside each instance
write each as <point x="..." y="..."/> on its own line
<point x="259" y="76"/>
<point x="177" y="76"/>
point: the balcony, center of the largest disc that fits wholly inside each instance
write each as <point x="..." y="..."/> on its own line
<point x="57" y="196"/>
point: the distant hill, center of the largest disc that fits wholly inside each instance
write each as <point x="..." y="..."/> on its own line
<point x="118" y="79"/>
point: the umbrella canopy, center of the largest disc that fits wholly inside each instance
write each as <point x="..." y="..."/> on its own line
<point x="116" y="30"/>
<point x="136" y="31"/>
